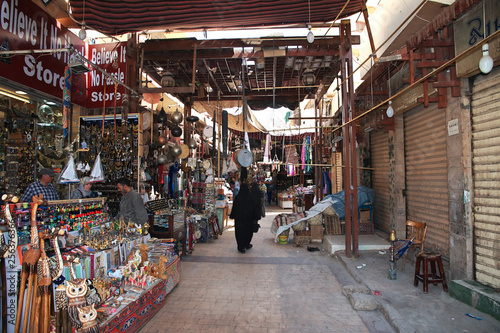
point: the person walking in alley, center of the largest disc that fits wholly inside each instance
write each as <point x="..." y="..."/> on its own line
<point x="244" y="214"/>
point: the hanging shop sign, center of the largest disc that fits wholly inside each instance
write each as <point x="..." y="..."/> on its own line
<point x="25" y="26"/>
<point x="469" y="30"/>
<point x="110" y="57"/>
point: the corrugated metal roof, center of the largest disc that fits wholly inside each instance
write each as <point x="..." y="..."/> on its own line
<point x="123" y="16"/>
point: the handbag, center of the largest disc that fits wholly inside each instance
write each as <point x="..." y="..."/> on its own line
<point x="255" y="226"/>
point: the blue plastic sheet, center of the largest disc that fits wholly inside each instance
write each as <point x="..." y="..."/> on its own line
<point x="365" y="196"/>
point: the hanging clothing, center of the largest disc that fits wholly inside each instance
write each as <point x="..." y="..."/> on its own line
<point x="327" y="183"/>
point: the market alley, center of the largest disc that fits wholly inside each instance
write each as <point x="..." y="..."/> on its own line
<point x="270" y="288"/>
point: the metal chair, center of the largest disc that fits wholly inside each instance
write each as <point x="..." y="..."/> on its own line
<point x="415" y="232"/>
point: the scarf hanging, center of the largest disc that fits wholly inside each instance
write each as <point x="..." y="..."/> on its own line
<point x="66" y="100"/>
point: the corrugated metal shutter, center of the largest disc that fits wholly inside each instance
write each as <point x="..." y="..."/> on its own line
<point x="427" y="174"/>
<point x="380" y="178"/>
<point x="486" y="175"/>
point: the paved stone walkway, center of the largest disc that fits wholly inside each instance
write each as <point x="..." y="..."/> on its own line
<point x="271" y="288"/>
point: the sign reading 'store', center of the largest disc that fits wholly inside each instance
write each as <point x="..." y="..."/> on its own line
<point x="25" y="26"/>
<point x="101" y="89"/>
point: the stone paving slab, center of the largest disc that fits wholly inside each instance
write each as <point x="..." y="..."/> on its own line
<point x="407" y="307"/>
<point x="271" y="288"/>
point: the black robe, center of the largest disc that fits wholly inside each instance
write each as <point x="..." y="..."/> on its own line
<point x="243" y="213"/>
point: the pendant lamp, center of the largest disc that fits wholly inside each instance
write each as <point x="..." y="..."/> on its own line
<point x="162" y="116"/>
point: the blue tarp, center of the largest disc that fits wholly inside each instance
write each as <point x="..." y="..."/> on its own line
<point x="365" y="196"/>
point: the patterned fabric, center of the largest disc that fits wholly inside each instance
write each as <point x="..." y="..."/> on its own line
<point x="49" y="192"/>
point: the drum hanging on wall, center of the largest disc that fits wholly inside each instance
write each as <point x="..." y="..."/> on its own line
<point x="245" y="158"/>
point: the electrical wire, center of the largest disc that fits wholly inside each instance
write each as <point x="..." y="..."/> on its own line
<point x="422" y="79"/>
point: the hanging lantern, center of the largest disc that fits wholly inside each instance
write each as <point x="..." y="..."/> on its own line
<point x="176" y="117"/>
<point x="192" y="144"/>
<point x="167" y="80"/>
<point x="162" y="140"/>
<point x="176" y="131"/>
<point x="308" y="77"/>
<point x="162" y="116"/>
<point x="176" y="150"/>
<point x="162" y="159"/>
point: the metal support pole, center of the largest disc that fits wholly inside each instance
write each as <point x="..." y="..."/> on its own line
<point x="344" y="52"/>
<point x="353" y="155"/>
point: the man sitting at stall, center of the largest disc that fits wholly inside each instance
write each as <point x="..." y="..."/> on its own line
<point x="42" y="186"/>
<point x="132" y="207"/>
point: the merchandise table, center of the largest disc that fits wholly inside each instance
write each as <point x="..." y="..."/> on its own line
<point x="132" y="316"/>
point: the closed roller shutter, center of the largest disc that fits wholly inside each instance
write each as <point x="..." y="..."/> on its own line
<point x="486" y="175"/>
<point x="380" y="179"/>
<point x="427" y="174"/>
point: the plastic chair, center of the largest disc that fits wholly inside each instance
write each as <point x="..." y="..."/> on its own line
<point x="415" y="231"/>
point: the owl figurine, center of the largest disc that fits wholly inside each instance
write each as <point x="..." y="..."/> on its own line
<point x="76" y="291"/>
<point x="87" y="316"/>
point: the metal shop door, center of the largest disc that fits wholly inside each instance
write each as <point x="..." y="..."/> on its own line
<point x="427" y="174"/>
<point x="486" y="177"/>
<point x="380" y="178"/>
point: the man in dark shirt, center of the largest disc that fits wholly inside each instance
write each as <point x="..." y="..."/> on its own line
<point x="131" y="205"/>
<point x="42" y="186"/>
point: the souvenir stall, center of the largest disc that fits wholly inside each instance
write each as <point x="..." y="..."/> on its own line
<point x="80" y="270"/>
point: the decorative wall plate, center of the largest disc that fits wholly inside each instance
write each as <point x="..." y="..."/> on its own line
<point x="207" y="164"/>
<point x="185" y="151"/>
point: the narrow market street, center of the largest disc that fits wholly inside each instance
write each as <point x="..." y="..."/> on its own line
<point x="271" y="288"/>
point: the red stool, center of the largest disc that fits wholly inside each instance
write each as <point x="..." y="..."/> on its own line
<point x="429" y="258"/>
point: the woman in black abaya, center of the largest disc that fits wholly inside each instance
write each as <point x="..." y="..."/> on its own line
<point x="243" y="215"/>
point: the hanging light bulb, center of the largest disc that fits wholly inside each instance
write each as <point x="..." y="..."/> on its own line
<point x="486" y="62"/>
<point x="390" y="110"/>
<point x="82" y="33"/>
<point x="310" y="35"/>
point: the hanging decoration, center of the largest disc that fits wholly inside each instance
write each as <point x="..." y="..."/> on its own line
<point x="267" y="149"/>
<point x="66" y="100"/>
<point x="97" y="174"/>
<point x="306" y="153"/>
<point x="68" y="175"/>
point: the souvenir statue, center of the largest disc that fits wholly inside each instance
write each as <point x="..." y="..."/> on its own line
<point x="146" y="228"/>
<point x="88" y="316"/>
<point x="61" y="301"/>
<point x="28" y="271"/>
<point x="92" y="294"/>
<point x="162" y="268"/>
<point x="76" y="290"/>
<point x="56" y="273"/>
<point x="144" y="253"/>
<point x="42" y="300"/>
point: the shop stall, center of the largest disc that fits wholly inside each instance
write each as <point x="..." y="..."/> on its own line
<point x="72" y="258"/>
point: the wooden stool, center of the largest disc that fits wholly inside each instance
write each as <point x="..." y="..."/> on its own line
<point x="429" y="258"/>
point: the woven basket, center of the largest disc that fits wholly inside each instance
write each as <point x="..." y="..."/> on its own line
<point x="302" y="237"/>
<point x="332" y="225"/>
<point x="316" y="220"/>
<point x="329" y="211"/>
<point x="300" y="226"/>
